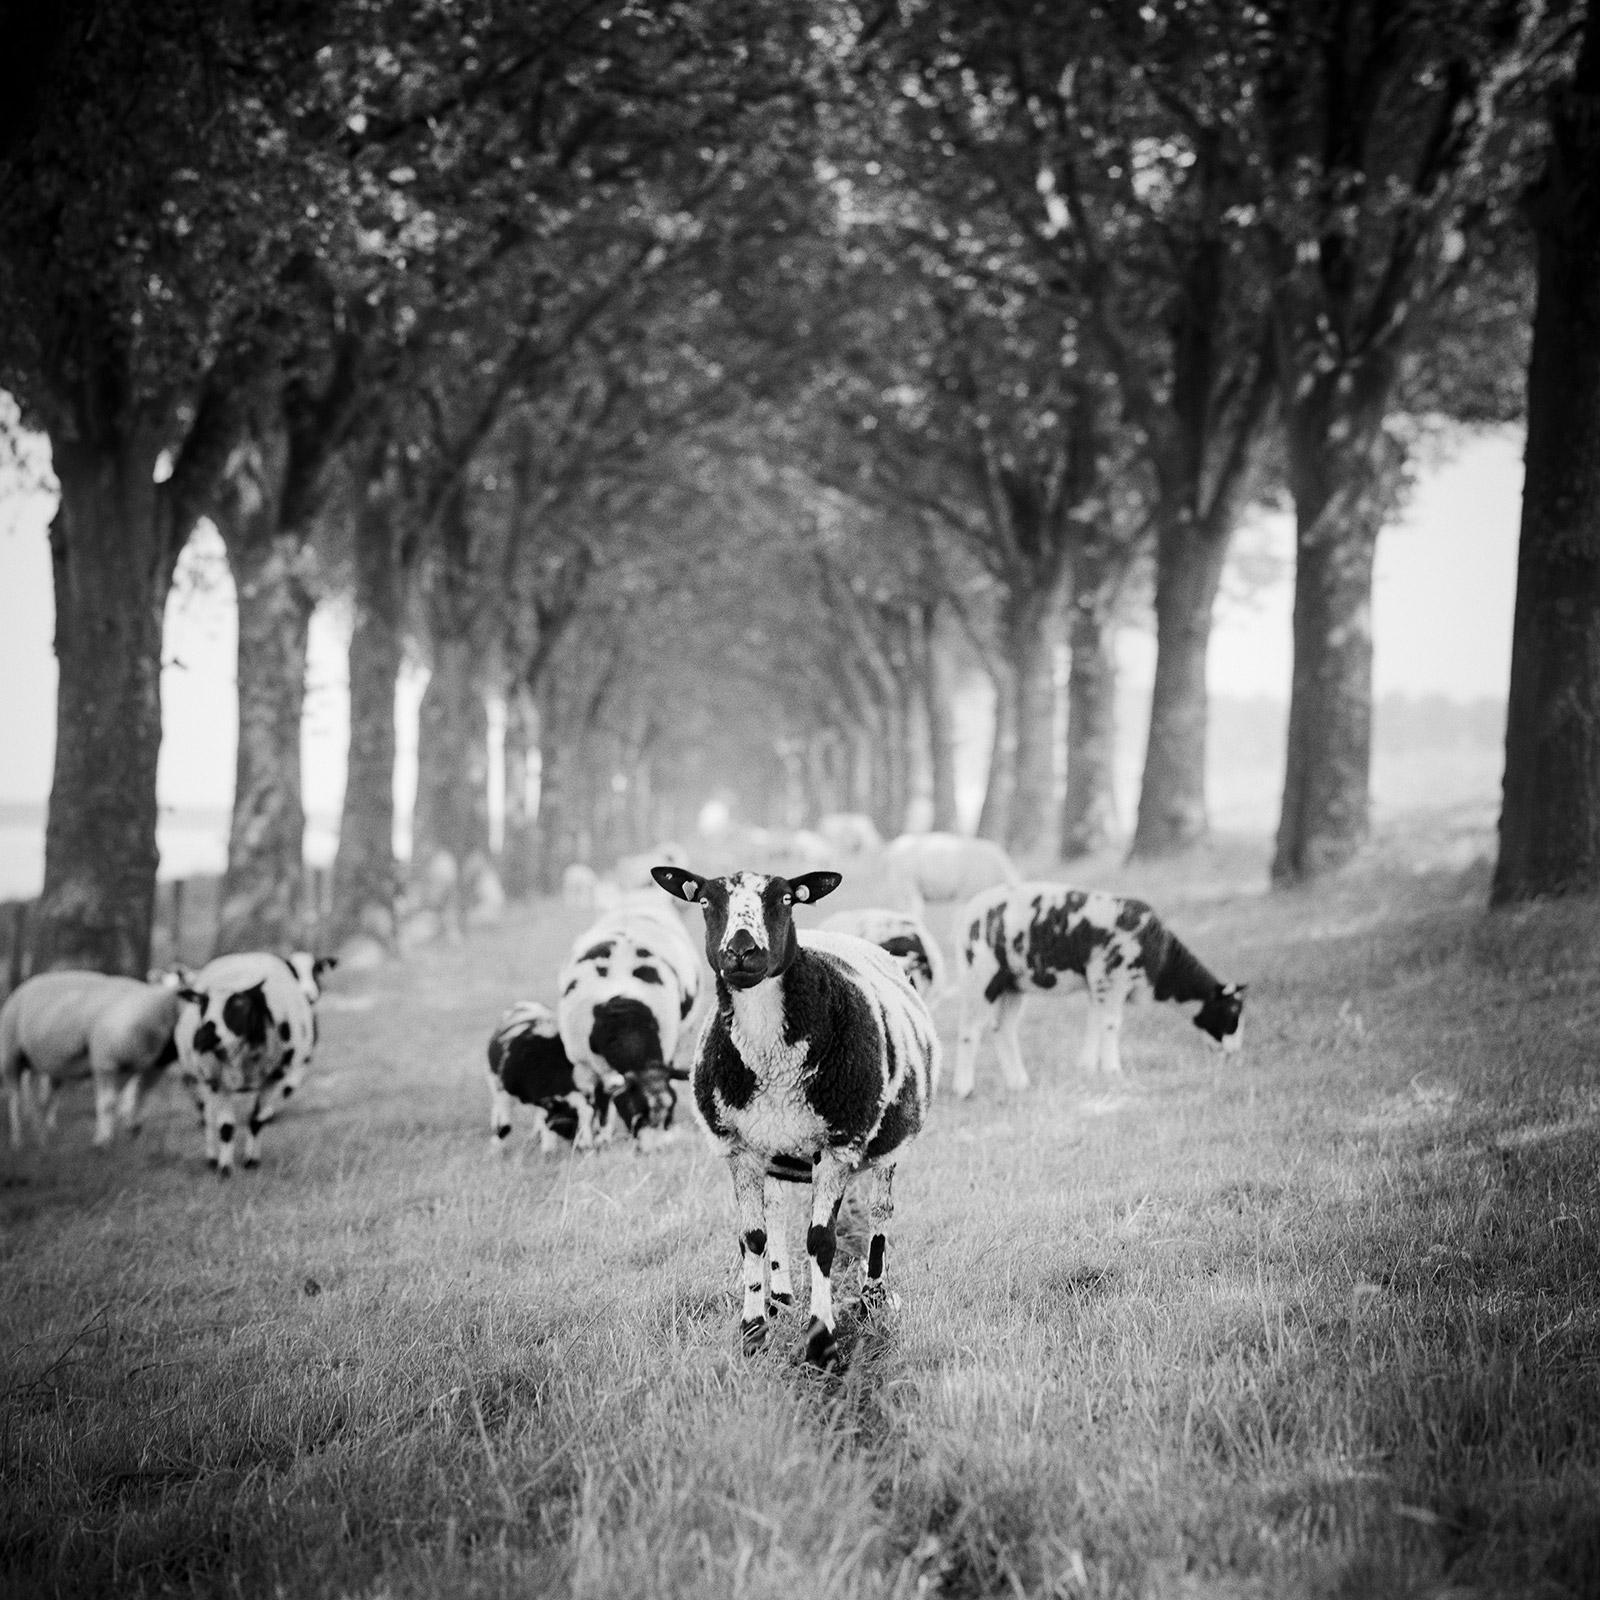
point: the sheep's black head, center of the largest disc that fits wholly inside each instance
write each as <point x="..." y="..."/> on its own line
<point x="750" y="934"/>
<point x="1220" y="1015"/>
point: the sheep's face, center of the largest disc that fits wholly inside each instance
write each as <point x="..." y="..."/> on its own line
<point x="1220" y="1016"/>
<point x="750" y="934"/>
<point x="234" y="1028"/>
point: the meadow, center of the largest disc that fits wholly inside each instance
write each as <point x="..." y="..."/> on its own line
<point x="1321" y="1319"/>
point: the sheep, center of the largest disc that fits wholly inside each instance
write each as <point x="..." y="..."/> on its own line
<point x="1019" y="939"/>
<point x="907" y="938"/>
<point x="626" y="990"/>
<point x="944" y="867"/>
<point x="850" y="833"/>
<point x="117" y="1031"/>
<point x="818" y="1062"/>
<point x="250" y="1038"/>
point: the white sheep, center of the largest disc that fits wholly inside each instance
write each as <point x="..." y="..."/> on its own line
<point x="817" y="1065"/>
<point x="117" y="1031"/>
<point x="944" y="867"/>
<point x="850" y="833"/>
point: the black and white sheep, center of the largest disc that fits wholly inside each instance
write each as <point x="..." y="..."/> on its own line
<point x="248" y="1045"/>
<point x="904" y="936"/>
<point x="817" y="1063"/>
<point x="1022" y="939"/>
<point x="119" y="1032"/>
<point x="626" y="990"/>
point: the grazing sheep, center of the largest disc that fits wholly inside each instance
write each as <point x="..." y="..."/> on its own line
<point x="116" y="1031"/>
<point x="528" y="1062"/>
<point x="248" y="1045"/>
<point x="1020" y="939"/>
<point x="626" y="990"/>
<point x="905" y="937"/>
<point x="850" y="833"/>
<point x="944" y="866"/>
<point x="818" y="1061"/>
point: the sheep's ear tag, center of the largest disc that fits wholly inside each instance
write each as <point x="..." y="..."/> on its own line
<point x="691" y="889"/>
<point x="801" y="892"/>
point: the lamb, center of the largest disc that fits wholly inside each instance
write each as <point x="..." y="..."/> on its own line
<point x="905" y="937"/>
<point x="819" y="1061"/>
<point x="117" y="1031"/>
<point x="944" y="867"/>
<point x="1019" y="939"/>
<point x="630" y="984"/>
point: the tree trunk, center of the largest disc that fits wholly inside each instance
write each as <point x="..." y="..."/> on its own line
<point x="1342" y="492"/>
<point x="518" y="853"/>
<point x="1172" y="794"/>
<point x="364" y="867"/>
<point x="995" y="814"/>
<point x="1030" y="628"/>
<point x="262" y="888"/>
<point x="939" y="697"/>
<point x="452" y="810"/>
<point x="114" y="549"/>
<point x="1550" y="819"/>
<point x="1089" y="810"/>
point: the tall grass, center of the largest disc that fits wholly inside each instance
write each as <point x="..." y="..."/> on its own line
<point x="1321" y="1320"/>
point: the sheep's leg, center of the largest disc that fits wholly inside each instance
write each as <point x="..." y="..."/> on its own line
<point x="1111" y="1004"/>
<point x="46" y="1102"/>
<point x="224" y="1122"/>
<point x="828" y="1180"/>
<point x="288" y="1086"/>
<point x="500" y="1116"/>
<point x="105" y="1107"/>
<point x="17" y="1088"/>
<point x="749" y="1198"/>
<point x="780" y="1287"/>
<point x="976" y="1016"/>
<point x="880" y="1207"/>
<point x="252" y="1133"/>
<point x="1093" y="1032"/>
<point x="1007" y="1024"/>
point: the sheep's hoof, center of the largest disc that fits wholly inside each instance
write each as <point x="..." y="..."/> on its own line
<point x="822" y="1349"/>
<point x="753" y="1334"/>
<point x="777" y="1298"/>
<point x="211" y="1161"/>
<point x="876" y="1299"/>
<point x="251" y="1163"/>
<point x="224" y="1172"/>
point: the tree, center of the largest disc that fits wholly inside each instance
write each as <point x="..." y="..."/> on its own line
<point x="1550" y="821"/>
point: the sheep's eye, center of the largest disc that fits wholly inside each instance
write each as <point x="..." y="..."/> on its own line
<point x="788" y="899"/>
<point x="705" y="900"/>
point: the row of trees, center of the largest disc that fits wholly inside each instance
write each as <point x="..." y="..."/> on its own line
<point x="710" y="380"/>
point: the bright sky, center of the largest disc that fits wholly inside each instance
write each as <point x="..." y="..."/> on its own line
<point x="1441" y="619"/>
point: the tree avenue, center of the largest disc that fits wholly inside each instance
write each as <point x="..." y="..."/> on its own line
<point x="735" y="385"/>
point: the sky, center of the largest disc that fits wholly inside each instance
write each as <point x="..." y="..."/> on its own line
<point x="1446" y="574"/>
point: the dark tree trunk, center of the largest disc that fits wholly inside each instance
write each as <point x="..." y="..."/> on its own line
<point x="938" y="699"/>
<point x="1030" y="635"/>
<point x="262" y="889"/>
<point x="1089" y="809"/>
<point x="1550" y="819"/>
<point x="114" y="548"/>
<point x="364" y="867"/>
<point x="1344" y="470"/>
<point x="1172" y="793"/>
<point x="452" y="811"/>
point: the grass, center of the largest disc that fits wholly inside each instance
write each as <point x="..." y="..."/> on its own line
<point x="1322" y="1320"/>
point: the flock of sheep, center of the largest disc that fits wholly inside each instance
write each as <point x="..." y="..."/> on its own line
<point x="817" y="1054"/>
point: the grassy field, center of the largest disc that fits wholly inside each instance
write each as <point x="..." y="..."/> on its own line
<point x="1320" y="1320"/>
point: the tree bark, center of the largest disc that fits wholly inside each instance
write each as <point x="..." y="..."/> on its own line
<point x="1089" y="809"/>
<point x="1172" y="793"/>
<point x="1029" y="635"/>
<point x="938" y="698"/>
<point x="364" y="868"/>
<point x="273" y="575"/>
<point x="994" y="816"/>
<point x="1550" y="817"/>
<point x="1343" y="490"/>
<point x="114" y="548"/>
<point x="518" y="852"/>
<point x="452" y="810"/>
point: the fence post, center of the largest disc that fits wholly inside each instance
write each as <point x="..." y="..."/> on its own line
<point x="19" y="945"/>
<point x="177" y="920"/>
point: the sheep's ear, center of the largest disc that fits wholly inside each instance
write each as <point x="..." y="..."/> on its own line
<point x="679" y="1074"/>
<point x="811" y="886"/>
<point x="323" y="964"/>
<point x="678" y="883"/>
<point x="1236" y="989"/>
<point x="193" y="996"/>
